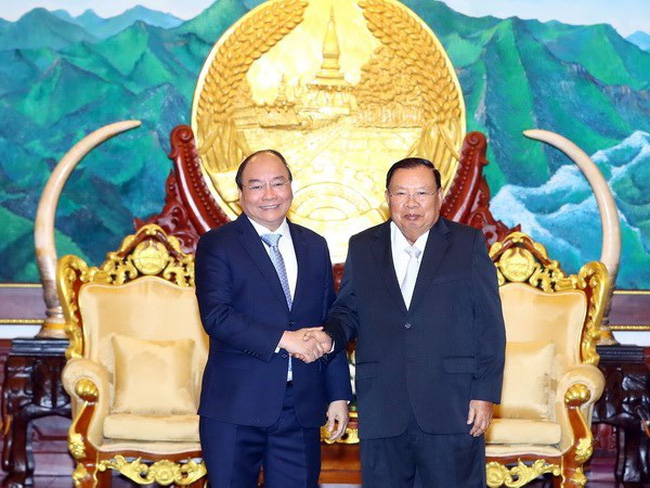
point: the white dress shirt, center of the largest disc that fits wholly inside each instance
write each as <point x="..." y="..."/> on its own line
<point x="285" y="246"/>
<point x="398" y="244"/>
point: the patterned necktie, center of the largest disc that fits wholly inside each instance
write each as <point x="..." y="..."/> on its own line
<point x="408" y="283"/>
<point x="271" y="240"/>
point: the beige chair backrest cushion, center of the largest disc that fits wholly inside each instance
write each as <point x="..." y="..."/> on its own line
<point x="147" y="308"/>
<point x="532" y="315"/>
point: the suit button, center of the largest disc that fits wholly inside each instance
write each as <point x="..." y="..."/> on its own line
<point x="407" y="325"/>
<point x="285" y="355"/>
<point x="291" y="323"/>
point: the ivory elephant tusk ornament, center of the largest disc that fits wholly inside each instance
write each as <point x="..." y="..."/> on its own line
<point x="44" y="242"/>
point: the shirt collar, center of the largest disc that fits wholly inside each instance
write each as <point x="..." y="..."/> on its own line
<point x="400" y="242"/>
<point x="283" y="230"/>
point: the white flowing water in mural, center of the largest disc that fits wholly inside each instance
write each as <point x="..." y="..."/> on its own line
<point x="563" y="215"/>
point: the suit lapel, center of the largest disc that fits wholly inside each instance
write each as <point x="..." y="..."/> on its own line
<point x="253" y="245"/>
<point x="302" y="258"/>
<point x="434" y="251"/>
<point x="384" y="257"/>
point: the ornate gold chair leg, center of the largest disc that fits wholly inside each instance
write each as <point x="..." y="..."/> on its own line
<point x="573" y="460"/>
<point x="572" y="477"/>
<point x="84" y="475"/>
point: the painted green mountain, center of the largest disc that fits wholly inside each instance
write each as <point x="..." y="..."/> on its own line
<point x="585" y="82"/>
<point x="641" y="39"/>
<point x="520" y="74"/>
<point x="106" y="27"/>
<point x="40" y="28"/>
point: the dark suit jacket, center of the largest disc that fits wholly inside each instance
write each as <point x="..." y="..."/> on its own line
<point x="244" y="311"/>
<point x="432" y="359"/>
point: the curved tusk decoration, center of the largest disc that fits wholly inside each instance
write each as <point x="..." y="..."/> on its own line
<point x="46" y="256"/>
<point x="610" y="254"/>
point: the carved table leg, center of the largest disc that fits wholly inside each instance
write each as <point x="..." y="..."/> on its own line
<point x="31" y="389"/>
<point x="20" y="473"/>
<point x="16" y="395"/>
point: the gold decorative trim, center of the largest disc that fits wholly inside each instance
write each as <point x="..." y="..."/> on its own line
<point x="584" y="449"/>
<point x="631" y="292"/>
<point x="79" y="474"/>
<point x="579" y="477"/>
<point x="163" y="472"/>
<point x="519" y="259"/>
<point x="76" y="445"/>
<point x="21" y="285"/>
<point x="148" y="252"/>
<point x="517" y="476"/>
<point x="21" y="322"/>
<point x="626" y="327"/>
<point x="87" y="390"/>
<point x="577" y="394"/>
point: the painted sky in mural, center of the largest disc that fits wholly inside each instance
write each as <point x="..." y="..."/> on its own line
<point x="577" y="12"/>
<point x="65" y="71"/>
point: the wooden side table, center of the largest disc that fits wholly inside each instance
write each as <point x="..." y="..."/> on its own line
<point x="625" y="405"/>
<point x="32" y="389"/>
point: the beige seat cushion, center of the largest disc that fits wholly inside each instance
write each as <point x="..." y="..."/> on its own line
<point x="153" y="377"/>
<point x="527" y="381"/>
<point x="173" y="428"/>
<point x="519" y="431"/>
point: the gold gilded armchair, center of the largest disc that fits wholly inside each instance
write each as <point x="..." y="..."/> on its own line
<point x="135" y="362"/>
<point x="551" y="380"/>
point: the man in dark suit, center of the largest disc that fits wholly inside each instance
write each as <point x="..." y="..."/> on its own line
<point x="420" y="294"/>
<point x="261" y="283"/>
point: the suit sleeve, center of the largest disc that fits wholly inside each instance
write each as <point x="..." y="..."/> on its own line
<point x="343" y="319"/>
<point x="337" y="372"/>
<point x="213" y="278"/>
<point x="488" y="325"/>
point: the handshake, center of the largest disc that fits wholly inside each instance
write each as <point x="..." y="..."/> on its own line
<point x="308" y="344"/>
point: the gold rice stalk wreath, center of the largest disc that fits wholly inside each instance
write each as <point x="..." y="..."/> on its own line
<point x="231" y="63"/>
<point x="409" y="40"/>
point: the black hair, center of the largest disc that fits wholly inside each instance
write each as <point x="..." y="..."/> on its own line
<point x="408" y="163"/>
<point x="240" y="171"/>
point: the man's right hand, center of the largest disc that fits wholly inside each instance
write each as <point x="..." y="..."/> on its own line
<point x="324" y="339"/>
<point x="302" y="345"/>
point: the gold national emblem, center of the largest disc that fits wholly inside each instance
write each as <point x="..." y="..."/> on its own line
<point x="343" y="89"/>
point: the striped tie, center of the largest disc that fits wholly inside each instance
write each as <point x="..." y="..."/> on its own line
<point x="271" y="240"/>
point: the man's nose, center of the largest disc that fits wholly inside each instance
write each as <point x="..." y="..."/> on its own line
<point x="411" y="202"/>
<point x="269" y="194"/>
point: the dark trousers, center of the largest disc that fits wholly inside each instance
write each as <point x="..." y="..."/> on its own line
<point x="288" y="453"/>
<point x="421" y="460"/>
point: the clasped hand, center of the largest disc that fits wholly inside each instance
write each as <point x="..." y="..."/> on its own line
<point x="307" y="344"/>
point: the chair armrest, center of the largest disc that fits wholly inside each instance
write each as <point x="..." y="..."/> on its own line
<point x="87" y="384"/>
<point x="578" y="389"/>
